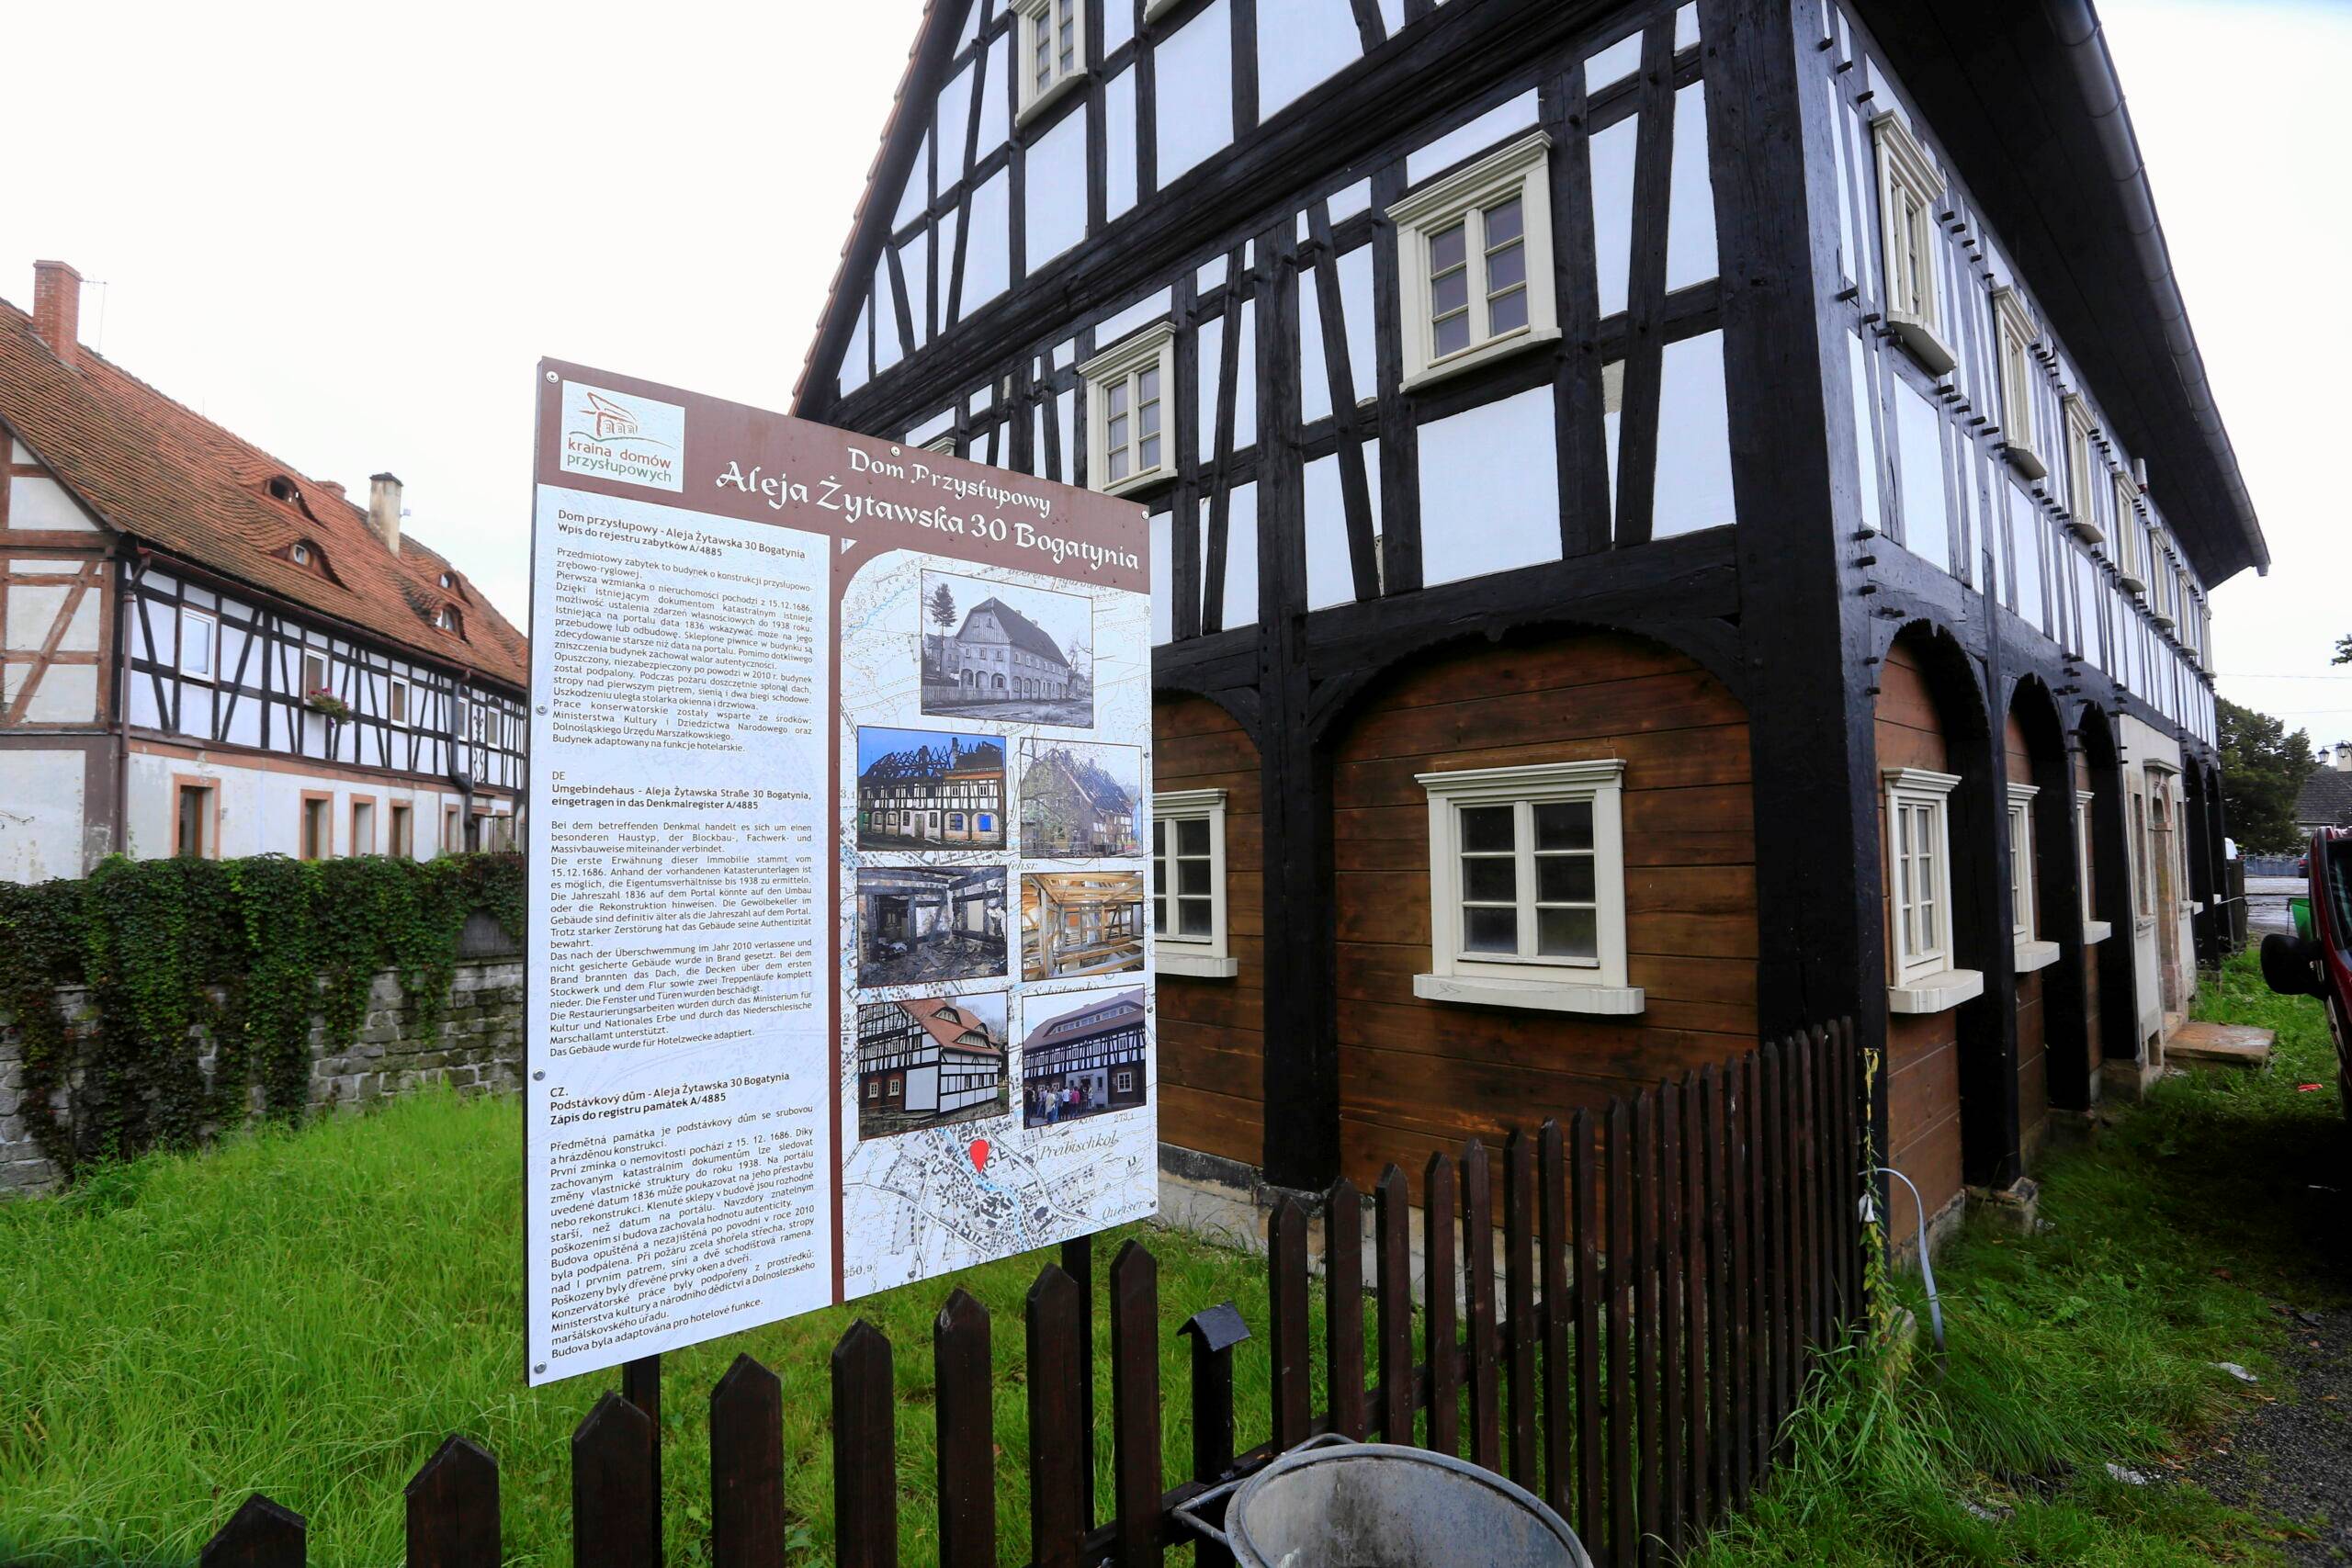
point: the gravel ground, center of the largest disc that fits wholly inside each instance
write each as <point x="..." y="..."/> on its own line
<point x="2290" y="1459"/>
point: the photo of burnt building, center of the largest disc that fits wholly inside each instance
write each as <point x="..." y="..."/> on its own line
<point x="921" y="789"/>
<point x="1080" y="802"/>
<point x="1084" y="1059"/>
<point x="923" y="923"/>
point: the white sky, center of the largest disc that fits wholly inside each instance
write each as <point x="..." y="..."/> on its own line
<point x="349" y="233"/>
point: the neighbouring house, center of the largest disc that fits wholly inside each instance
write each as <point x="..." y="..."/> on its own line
<point x="1672" y="524"/>
<point x="2326" y="799"/>
<point x="923" y="1064"/>
<point x="1000" y="650"/>
<point x="937" y="792"/>
<point x="1084" y="1060"/>
<point x="204" y="652"/>
<point x="1071" y="806"/>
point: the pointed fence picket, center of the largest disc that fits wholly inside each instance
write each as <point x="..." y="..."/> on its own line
<point x="1671" y="1269"/>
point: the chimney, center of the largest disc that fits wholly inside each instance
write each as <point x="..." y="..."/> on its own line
<point x="384" y="509"/>
<point x="333" y="488"/>
<point x="57" y="309"/>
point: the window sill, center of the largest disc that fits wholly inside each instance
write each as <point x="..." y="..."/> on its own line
<point x="1544" y="996"/>
<point x="1923" y="345"/>
<point x="1483" y="354"/>
<point x="2034" y="955"/>
<point x="2089" y="533"/>
<point x="2097" y="931"/>
<point x="2023" y="458"/>
<point x="1938" y="992"/>
<point x="1134" y="483"/>
<point x="2143" y="925"/>
<point x="1049" y="98"/>
<point x="2130" y="579"/>
<point x="1196" y="965"/>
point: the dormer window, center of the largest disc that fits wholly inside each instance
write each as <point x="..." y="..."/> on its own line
<point x="448" y="580"/>
<point x="1909" y="186"/>
<point x="285" y="489"/>
<point x="299" y="555"/>
<point x="446" y="619"/>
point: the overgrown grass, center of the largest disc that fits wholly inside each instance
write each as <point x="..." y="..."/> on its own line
<point x="308" y="1314"/>
<point x="2090" y="1343"/>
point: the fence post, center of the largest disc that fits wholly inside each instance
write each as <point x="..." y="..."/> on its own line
<point x="1343" y="1308"/>
<point x="1134" y="1403"/>
<point x="966" y="1418"/>
<point x="260" y="1534"/>
<point x="1478" y="1283"/>
<point x="1673" y="1366"/>
<point x="1078" y="1262"/>
<point x="452" y="1503"/>
<point x="1440" y="1310"/>
<point x="1294" y="1412"/>
<point x="1585" y="1215"/>
<point x="1554" y="1179"/>
<point x="1394" y="1260"/>
<point x="612" y="1499"/>
<point x="747" y="1467"/>
<point x="1519" y="1302"/>
<point x="1625" y="1526"/>
<point x="1214" y="1332"/>
<point x="1058" y="1453"/>
<point x="1649" y="1461"/>
<point x="866" y="1451"/>
<point x="642" y="1386"/>
<point x="1697" y="1269"/>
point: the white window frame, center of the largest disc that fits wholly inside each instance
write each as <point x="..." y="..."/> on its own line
<point x="2095" y="930"/>
<point x="1521" y="169"/>
<point x="1922" y="976"/>
<point x="2033" y="952"/>
<point x="1600" y="984"/>
<point x="2082" y="468"/>
<point x="1035" y="13"/>
<point x="2143" y="885"/>
<point x="298" y="553"/>
<point x="2130" y="544"/>
<point x="398" y="686"/>
<point x="2015" y="333"/>
<point x="211" y="642"/>
<point x="1203" y="957"/>
<point x="1908" y="180"/>
<point x="1123" y="363"/>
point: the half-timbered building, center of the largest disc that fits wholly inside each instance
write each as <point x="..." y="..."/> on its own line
<point x="927" y="1063"/>
<point x="1671" y="523"/>
<point x="204" y="652"/>
<point x="1084" y="1060"/>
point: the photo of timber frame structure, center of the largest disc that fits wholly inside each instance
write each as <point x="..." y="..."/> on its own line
<point x="1702" y="418"/>
<point x="918" y="924"/>
<point x="1085" y="1058"/>
<point x="921" y="789"/>
<point x="1080" y="922"/>
<point x="930" y="1063"/>
<point x="1080" y="802"/>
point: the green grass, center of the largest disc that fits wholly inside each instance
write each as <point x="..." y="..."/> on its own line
<point x="2090" y="1343"/>
<point x="308" y="1314"/>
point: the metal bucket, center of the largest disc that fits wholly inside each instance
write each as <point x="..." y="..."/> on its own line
<point x="1381" y="1505"/>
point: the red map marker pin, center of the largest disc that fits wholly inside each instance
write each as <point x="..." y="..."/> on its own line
<point x="980" y="1156"/>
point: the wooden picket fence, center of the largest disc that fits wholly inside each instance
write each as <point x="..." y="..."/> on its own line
<point x="1672" y="1267"/>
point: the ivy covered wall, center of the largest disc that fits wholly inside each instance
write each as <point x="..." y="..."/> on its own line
<point x="154" y="1002"/>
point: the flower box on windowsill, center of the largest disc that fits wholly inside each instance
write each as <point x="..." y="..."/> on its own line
<point x="2034" y="955"/>
<point x="1196" y="965"/>
<point x="1542" y="995"/>
<point x="327" y="703"/>
<point x="1939" y="992"/>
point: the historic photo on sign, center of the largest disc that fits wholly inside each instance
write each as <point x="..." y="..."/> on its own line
<point x="1080" y="802"/>
<point x="1080" y="922"/>
<point x="927" y="789"/>
<point x="930" y="1063"/>
<point x="920" y="924"/>
<point x="1083" y="1056"/>
<point x="994" y="651"/>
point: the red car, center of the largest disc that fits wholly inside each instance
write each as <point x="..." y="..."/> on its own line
<point x="2320" y="964"/>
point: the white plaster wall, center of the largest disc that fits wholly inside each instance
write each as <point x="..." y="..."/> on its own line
<point x="261" y="811"/>
<point x="36" y="502"/>
<point x="41" y="815"/>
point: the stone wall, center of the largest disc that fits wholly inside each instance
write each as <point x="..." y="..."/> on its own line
<point x="477" y="1049"/>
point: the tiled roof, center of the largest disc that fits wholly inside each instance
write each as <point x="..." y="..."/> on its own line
<point x="2326" y="800"/>
<point x="1020" y="629"/>
<point x="1120" y="1002"/>
<point x="959" y="1032"/>
<point x="172" y="479"/>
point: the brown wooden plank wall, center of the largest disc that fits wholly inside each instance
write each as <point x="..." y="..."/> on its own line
<point x="1414" y="1071"/>
<point x="1212" y="1032"/>
<point x="2033" y="1054"/>
<point x="1922" y="1050"/>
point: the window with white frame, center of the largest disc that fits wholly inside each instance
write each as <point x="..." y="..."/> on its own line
<point x="2082" y="472"/>
<point x="1527" y="887"/>
<point x="2129" y="546"/>
<point x="1128" y="443"/>
<point x="396" y="700"/>
<point x="1052" y="51"/>
<point x="1474" y="261"/>
<point x="1918" y="863"/>
<point x="200" y="643"/>
<point x="1188" y="882"/>
<point x="2021" y="922"/>
<point x="1909" y="186"/>
<point x="2016" y="329"/>
<point x="2092" y="930"/>
<point x="2144" y="894"/>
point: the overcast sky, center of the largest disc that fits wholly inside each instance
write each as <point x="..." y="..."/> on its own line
<point x="348" y="234"/>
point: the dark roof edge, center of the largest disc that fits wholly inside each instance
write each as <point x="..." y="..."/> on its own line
<point x="2084" y="41"/>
